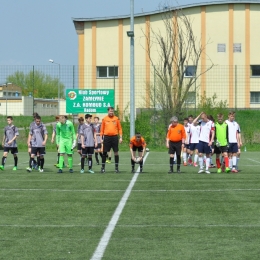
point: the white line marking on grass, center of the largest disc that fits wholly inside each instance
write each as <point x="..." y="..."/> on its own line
<point x="253" y="160"/>
<point x="135" y="226"/>
<point x="99" y="252"/>
<point x="56" y="190"/>
<point x="219" y="190"/>
<point x="191" y="226"/>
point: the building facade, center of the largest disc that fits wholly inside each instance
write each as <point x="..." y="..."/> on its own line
<point x="228" y="30"/>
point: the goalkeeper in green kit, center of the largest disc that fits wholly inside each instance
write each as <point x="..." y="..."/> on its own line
<point x="66" y="141"/>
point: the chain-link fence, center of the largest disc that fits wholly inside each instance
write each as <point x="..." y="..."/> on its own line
<point x="25" y="89"/>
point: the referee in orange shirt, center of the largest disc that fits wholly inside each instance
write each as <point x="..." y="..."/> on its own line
<point x="110" y="129"/>
<point x="175" y="141"/>
<point x="137" y="143"/>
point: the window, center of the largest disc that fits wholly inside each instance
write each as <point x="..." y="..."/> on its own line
<point x="190" y="71"/>
<point x="107" y="72"/>
<point x="255" y="97"/>
<point x="221" y="47"/>
<point x="255" y="70"/>
<point x="190" y="98"/>
<point x="237" y="47"/>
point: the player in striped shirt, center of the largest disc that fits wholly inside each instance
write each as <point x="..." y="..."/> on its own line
<point x="9" y="143"/>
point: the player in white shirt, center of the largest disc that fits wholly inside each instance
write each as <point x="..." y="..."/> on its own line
<point x="194" y="141"/>
<point x="233" y="139"/>
<point x="190" y="122"/>
<point x="239" y="147"/>
<point x="186" y="148"/>
<point x="206" y="138"/>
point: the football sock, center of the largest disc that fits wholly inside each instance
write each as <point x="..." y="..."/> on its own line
<point x="31" y="162"/>
<point x="3" y="160"/>
<point x="218" y="163"/>
<point x="230" y="163"/>
<point x="82" y="162"/>
<point x="201" y="162"/>
<point x="178" y="162"/>
<point x="61" y="162"/>
<point x="184" y="156"/>
<point x="41" y="162"/>
<point x="15" y="161"/>
<point x="132" y="163"/>
<point x="171" y="163"/>
<point x="207" y="163"/>
<point x="226" y="161"/>
<point x="70" y="161"/>
<point x="116" y="160"/>
<point x="141" y="164"/>
<point x="195" y="158"/>
<point x="234" y="161"/>
<point x="104" y="156"/>
<point x="96" y="156"/>
<point x="89" y="163"/>
<point x="38" y="160"/>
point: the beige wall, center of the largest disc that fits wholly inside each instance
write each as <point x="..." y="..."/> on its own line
<point x="106" y="44"/>
<point x="24" y="106"/>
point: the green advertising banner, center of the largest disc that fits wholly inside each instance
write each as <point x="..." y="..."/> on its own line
<point x="89" y="100"/>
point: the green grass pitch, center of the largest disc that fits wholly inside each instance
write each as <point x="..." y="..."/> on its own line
<point x="166" y="216"/>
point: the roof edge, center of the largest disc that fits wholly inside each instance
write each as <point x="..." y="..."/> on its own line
<point x="93" y="19"/>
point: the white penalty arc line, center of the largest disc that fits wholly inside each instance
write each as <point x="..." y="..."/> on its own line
<point x="99" y="252"/>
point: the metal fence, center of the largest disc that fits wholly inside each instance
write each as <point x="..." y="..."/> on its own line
<point x="234" y="84"/>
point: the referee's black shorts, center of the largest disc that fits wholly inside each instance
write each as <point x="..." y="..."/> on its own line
<point x="175" y="147"/>
<point x="110" y="142"/>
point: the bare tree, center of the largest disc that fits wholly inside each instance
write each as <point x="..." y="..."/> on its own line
<point x="176" y="47"/>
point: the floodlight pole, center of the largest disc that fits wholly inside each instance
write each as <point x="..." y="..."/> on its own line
<point x="52" y="61"/>
<point x="132" y="75"/>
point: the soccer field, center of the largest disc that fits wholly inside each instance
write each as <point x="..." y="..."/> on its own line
<point x="152" y="215"/>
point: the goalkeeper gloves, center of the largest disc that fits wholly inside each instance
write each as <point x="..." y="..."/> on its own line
<point x="73" y="145"/>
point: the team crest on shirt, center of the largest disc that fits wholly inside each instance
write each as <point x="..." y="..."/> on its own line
<point x="72" y="95"/>
<point x="179" y="131"/>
